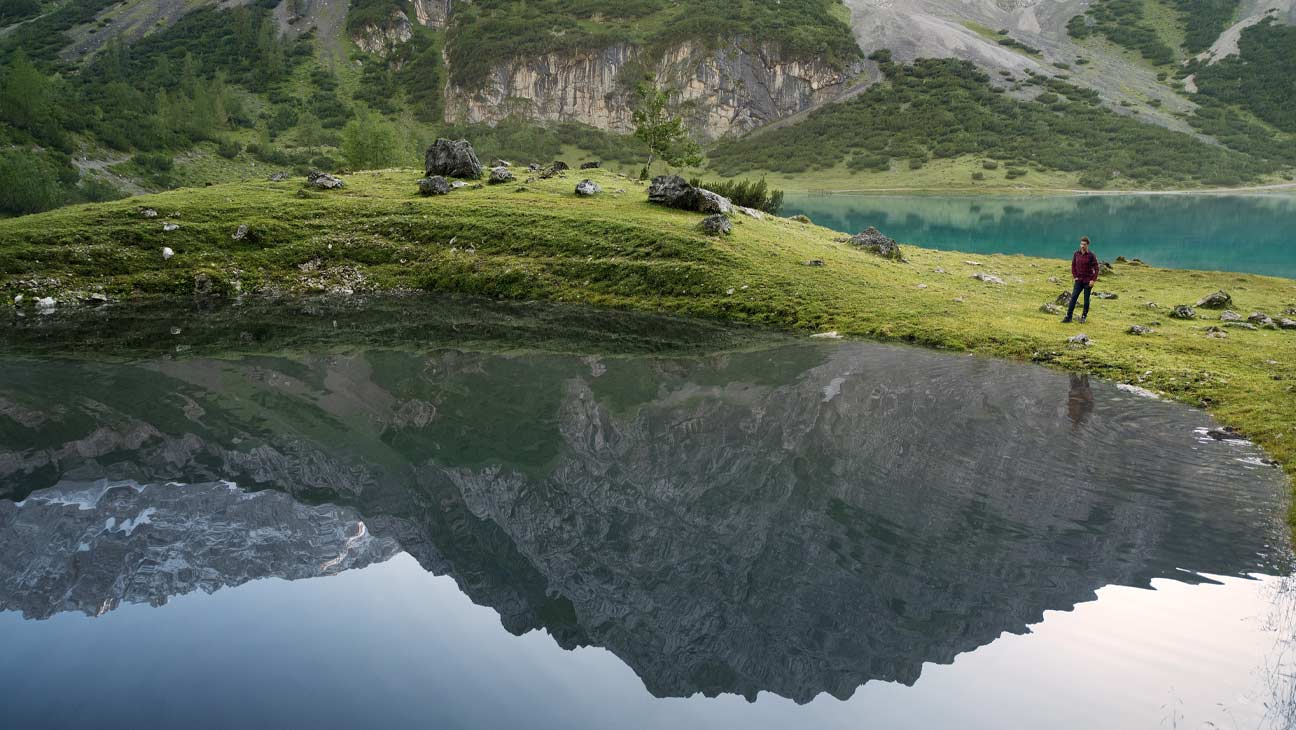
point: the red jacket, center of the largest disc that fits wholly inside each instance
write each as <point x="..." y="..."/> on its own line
<point x="1084" y="267"/>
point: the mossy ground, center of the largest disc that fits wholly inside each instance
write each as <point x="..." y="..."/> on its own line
<point x="540" y="241"/>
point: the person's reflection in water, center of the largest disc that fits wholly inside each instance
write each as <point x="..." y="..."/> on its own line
<point x="1080" y="402"/>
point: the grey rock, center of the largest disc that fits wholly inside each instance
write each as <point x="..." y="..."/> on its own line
<point x="1228" y="433"/>
<point x="500" y="175"/>
<point x="1138" y="329"/>
<point x="1081" y="339"/>
<point x="1183" y="311"/>
<point x="167" y="253"/>
<point x="458" y="184"/>
<point x="674" y="191"/>
<point x="596" y="164"/>
<point x="1287" y="324"/>
<point x="323" y="180"/>
<point x="500" y="163"/>
<point x="1262" y="320"/>
<point x="279" y="176"/>
<point x="1151" y="305"/>
<point x="874" y="241"/>
<point x="988" y="278"/>
<point x="533" y="167"/>
<point x="559" y="166"/>
<point x="1063" y="299"/>
<point x="449" y="158"/>
<point x="1241" y="325"/>
<point x="813" y="262"/>
<point x="1215" y="300"/>
<point x="716" y="225"/>
<point x="168" y="227"/>
<point x="1105" y="295"/>
<point x="149" y="213"/>
<point x="435" y="185"/>
<point x="240" y="233"/>
<point x="588" y="188"/>
<point x="1229" y="315"/>
<point x="1050" y="308"/>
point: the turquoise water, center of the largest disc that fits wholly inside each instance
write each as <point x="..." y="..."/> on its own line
<point x="1250" y="233"/>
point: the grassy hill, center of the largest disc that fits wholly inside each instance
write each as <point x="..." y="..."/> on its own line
<point x="538" y="241"/>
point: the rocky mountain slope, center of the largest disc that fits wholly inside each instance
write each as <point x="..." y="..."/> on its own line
<point x="730" y="523"/>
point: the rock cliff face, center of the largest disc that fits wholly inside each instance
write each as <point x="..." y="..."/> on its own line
<point x="797" y="520"/>
<point x="432" y="13"/>
<point x="729" y="90"/>
<point x="384" y="39"/>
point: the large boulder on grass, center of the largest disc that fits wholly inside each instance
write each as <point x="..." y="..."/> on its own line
<point x="874" y="241"/>
<point x="1216" y="300"/>
<point x="674" y="191"/>
<point x="587" y="188"/>
<point x="452" y="158"/>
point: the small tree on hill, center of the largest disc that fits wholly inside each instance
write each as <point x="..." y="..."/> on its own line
<point x="370" y="142"/>
<point x="662" y="132"/>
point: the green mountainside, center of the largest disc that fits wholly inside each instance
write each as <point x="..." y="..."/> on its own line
<point x="102" y="98"/>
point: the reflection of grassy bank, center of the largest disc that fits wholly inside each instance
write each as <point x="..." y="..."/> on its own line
<point x="616" y="250"/>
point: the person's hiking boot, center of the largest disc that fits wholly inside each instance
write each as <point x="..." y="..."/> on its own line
<point x="1067" y="320"/>
<point x="1083" y="317"/>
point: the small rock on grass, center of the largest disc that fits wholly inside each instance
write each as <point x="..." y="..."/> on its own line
<point x="167" y="253"/>
<point x="800" y="218"/>
<point x="434" y="185"/>
<point x="1138" y="329"/>
<point x="1287" y="324"/>
<point x="1216" y="333"/>
<point x="168" y="227"/>
<point x="716" y="225"/>
<point x="813" y="262"/>
<point x="499" y="175"/>
<point x="826" y="336"/>
<point x="1230" y="316"/>
<point x="240" y="233"/>
<point x="149" y="213"/>
<point x="1183" y="311"/>
<point x="323" y="180"/>
<point x="1215" y="300"/>
<point x="1105" y="295"/>
<point x="588" y="188"/>
<point x="1081" y="339"/>
<point x="987" y="278"/>
<point x="1050" y="308"/>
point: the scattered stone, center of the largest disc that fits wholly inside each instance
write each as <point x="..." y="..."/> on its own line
<point x="168" y="227"/>
<point x="279" y="176"/>
<point x="240" y="233"/>
<point x="1151" y="305"/>
<point x="1287" y="324"/>
<point x="826" y="336"/>
<point x="148" y="213"/>
<point x="1138" y="329"/>
<point x="750" y="212"/>
<point x="559" y="166"/>
<point x="674" y="192"/>
<point x="323" y="180"/>
<point x="476" y="186"/>
<point x="458" y="184"/>
<point x="97" y="299"/>
<point x="1228" y="433"/>
<point x="500" y="175"/>
<point x="1241" y="325"/>
<point x="813" y="262"/>
<point x="596" y="164"/>
<point x="435" y="185"/>
<point x="520" y="189"/>
<point x="1229" y="315"/>
<point x="500" y="163"/>
<point x="1183" y="311"/>
<point x="1063" y="299"/>
<point x="451" y="159"/>
<point x="1261" y="319"/>
<point x="716" y="225"/>
<point x="1106" y="268"/>
<point x="922" y="286"/>
<point x="588" y="188"/>
<point x="46" y="304"/>
<point x="874" y="241"/>
<point x="1290" y="311"/>
<point x="533" y="167"/>
<point x="167" y="253"/>
<point x="1053" y="280"/>
<point x="987" y="278"/>
<point x="972" y="263"/>
<point x="1216" y="333"/>
<point x="800" y="218"/>
<point x="938" y="270"/>
<point x="1050" y="308"/>
<point x="1216" y="300"/>
<point x="1081" y="339"/>
<point x="1105" y="295"/>
<point x="18" y="300"/>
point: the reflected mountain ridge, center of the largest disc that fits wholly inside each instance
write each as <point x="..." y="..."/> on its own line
<point x="797" y="520"/>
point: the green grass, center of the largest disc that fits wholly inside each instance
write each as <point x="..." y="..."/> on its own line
<point x="618" y="251"/>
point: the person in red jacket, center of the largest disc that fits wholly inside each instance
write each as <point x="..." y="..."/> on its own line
<point x="1084" y="270"/>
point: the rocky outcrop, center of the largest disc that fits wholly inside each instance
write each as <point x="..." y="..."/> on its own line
<point x="875" y="242"/>
<point x="738" y="87"/>
<point x="384" y="39"/>
<point x="432" y="13"/>
<point x="452" y="158"/>
<point x="674" y="191"/>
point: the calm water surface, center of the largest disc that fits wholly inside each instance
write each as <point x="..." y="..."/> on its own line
<point x="1251" y="233"/>
<point x="345" y="534"/>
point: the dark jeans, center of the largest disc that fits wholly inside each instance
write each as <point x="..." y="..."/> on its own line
<point x="1075" y="294"/>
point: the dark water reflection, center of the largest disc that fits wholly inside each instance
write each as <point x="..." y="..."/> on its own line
<point x="796" y="519"/>
<point x="1250" y="233"/>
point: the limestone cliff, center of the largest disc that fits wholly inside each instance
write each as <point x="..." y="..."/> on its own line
<point x="727" y="90"/>
<point x="383" y="39"/>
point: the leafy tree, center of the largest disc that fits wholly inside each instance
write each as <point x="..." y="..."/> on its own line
<point x="370" y="142"/>
<point x="662" y="132"/>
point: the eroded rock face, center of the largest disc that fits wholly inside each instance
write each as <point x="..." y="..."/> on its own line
<point x="452" y="158"/>
<point x="729" y="90"/>
<point x="385" y="38"/>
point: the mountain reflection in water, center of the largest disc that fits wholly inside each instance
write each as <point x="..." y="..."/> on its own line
<point x="798" y="519"/>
